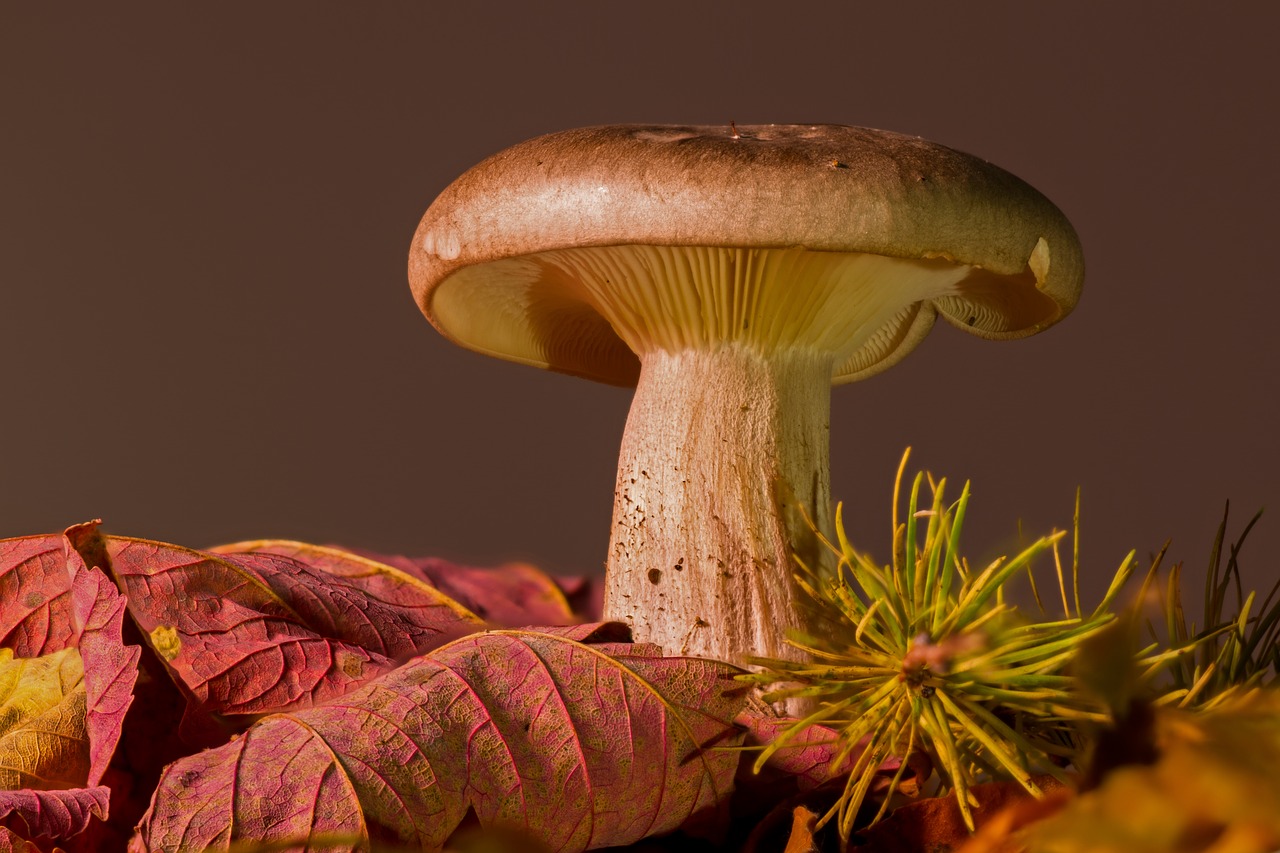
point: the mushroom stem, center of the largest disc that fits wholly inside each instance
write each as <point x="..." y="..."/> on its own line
<point x="721" y="448"/>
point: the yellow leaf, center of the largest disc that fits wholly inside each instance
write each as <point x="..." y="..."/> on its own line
<point x="44" y="743"/>
<point x="1215" y="788"/>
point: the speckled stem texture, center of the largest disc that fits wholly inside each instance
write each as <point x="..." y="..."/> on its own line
<point x="721" y="450"/>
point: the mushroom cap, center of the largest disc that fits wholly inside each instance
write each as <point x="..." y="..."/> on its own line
<point x="474" y="266"/>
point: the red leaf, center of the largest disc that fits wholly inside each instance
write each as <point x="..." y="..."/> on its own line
<point x="362" y="603"/>
<point x="276" y="781"/>
<point x="601" y="635"/>
<point x="525" y="730"/>
<point x="807" y="757"/>
<point x="110" y="667"/>
<point x="259" y="632"/>
<point x="584" y="594"/>
<point x="50" y="602"/>
<point x="509" y="596"/>
<point x="52" y="814"/>
<point x="35" y="594"/>
<point x="314" y="577"/>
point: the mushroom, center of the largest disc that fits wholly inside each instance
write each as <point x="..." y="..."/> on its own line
<point x="732" y="275"/>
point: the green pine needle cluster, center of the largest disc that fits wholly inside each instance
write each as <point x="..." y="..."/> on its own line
<point x="1198" y="668"/>
<point x="926" y="654"/>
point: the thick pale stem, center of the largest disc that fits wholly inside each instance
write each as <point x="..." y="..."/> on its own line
<point x="722" y="448"/>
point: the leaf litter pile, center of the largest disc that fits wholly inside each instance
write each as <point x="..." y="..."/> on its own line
<point x="276" y="695"/>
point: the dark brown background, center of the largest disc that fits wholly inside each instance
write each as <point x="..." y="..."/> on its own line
<point x="206" y="332"/>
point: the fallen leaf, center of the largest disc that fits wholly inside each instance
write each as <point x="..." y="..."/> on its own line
<point x="35" y="594"/>
<point x="11" y="842"/>
<point x="771" y="829"/>
<point x="524" y="730"/>
<point x="257" y="632"/>
<point x="44" y="743"/>
<point x="53" y="814"/>
<point x="802" y="828"/>
<point x="311" y="577"/>
<point x="508" y="596"/>
<point x="808" y="755"/>
<point x="1213" y="787"/>
<point x="806" y="761"/>
<point x="50" y="603"/>
<point x="803" y="775"/>
<point x="1002" y="832"/>
<point x="585" y="595"/>
<point x="935" y="825"/>
<point x="110" y="667"/>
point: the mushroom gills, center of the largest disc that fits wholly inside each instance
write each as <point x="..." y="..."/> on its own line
<point x="569" y="308"/>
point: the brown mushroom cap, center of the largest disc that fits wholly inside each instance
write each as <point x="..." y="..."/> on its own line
<point x="491" y="264"/>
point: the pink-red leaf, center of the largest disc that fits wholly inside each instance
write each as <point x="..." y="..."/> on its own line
<point x="35" y="594"/>
<point x="511" y="595"/>
<point x="53" y="814"/>
<point x="354" y="598"/>
<point x="261" y="632"/>
<point x="277" y="781"/>
<point x="110" y="667"/>
<point x="508" y="596"/>
<point x="529" y="730"/>
<point x="50" y="601"/>
<point x="808" y="756"/>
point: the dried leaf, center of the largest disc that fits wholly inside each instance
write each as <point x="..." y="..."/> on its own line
<point x="937" y="824"/>
<point x="803" y="774"/>
<point x="1213" y="787"/>
<point x="35" y="594"/>
<point x="311" y="576"/>
<point x="253" y="632"/>
<point x="52" y="603"/>
<point x="1002" y="833"/>
<point x="527" y="730"/>
<point x="53" y="814"/>
<point x="803" y="823"/>
<point x="11" y="842"/>
<point x="585" y="595"/>
<point x="808" y="754"/>
<point x="509" y="596"/>
<point x="44" y="744"/>
<point x="110" y="667"/>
